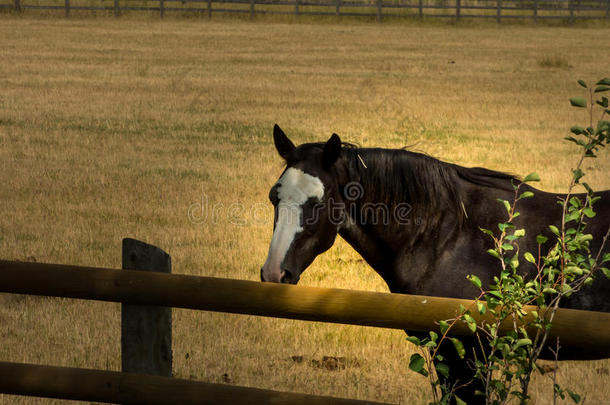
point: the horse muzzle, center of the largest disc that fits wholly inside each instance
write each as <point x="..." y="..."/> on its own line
<point x="285" y="277"/>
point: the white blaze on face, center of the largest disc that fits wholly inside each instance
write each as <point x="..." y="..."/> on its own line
<point x="295" y="188"/>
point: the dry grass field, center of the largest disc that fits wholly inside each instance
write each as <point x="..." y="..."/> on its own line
<point x="161" y="131"/>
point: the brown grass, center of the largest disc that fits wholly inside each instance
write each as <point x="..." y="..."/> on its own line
<point x="110" y="129"/>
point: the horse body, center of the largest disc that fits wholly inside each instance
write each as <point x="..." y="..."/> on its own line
<point x="417" y="222"/>
<point x="437" y="260"/>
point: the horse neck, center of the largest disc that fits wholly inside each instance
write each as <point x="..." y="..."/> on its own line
<point x="382" y="240"/>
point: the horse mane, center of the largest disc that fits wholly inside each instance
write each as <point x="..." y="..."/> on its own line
<point x="429" y="185"/>
<point x="397" y="176"/>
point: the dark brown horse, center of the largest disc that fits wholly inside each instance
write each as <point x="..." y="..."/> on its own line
<point x="414" y="219"/>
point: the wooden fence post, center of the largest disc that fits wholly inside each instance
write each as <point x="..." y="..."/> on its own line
<point x="457" y="9"/>
<point x="18" y="6"/>
<point x="338" y="7"/>
<point x="116" y="8"/>
<point x="421" y="8"/>
<point x="379" y="6"/>
<point x="67" y="7"/>
<point x="571" y="7"/>
<point x="607" y="9"/>
<point x="536" y="11"/>
<point x="161" y="8"/>
<point x="251" y="8"/>
<point x="499" y="14"/>
<point x="296" y="7"/>
<point x="209" y="8"/>
<point x="146" y="330"/>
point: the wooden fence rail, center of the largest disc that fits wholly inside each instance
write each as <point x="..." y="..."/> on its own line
<point x="128" y="388"/>
<point x="569" y="10"/>
<point x="148" y="293"/>
<point x="588" y="331"/>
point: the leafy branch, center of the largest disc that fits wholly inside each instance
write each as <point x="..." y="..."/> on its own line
<point x="512" y="337"/>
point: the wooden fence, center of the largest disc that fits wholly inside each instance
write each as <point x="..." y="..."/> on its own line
<point x="569" y="10"/>
<point x="157" y="291"/>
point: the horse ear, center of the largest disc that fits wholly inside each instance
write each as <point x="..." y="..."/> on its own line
<point x="283" y="145"/>
<point x="332" y="149"/>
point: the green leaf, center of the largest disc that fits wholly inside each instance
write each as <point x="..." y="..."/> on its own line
<point x="601" y="89"/>
<point x="549" y="290"/>
<point x="582" y="83"/>
<point x="526" y="194"/>
<point x="529" y="257"/>
<point x="579" y="142"/>
<point x="573" y="216"/>
<point x="577" y="130"/>
<point x="580" y="102"/>
<point x="558" y="390"/>
<point x="442" y="369"/>
<point x="481" y="307"/>
<point x="590" y="192"/>
<point x="514" y="261"/>
<point x="474" y="280"/>
<point x="494" y="253"/>
<point x="519" y="232"/>
<point x="417" y="364"/>
<point x="487" y="232"/>
<point x="443" y="326"/>
<point x="604" y="82"/>
<point x="414" y="339"/>
<point x="575" y="397"/>
<point x="472" y="324"/>
<point x="531" y="177"/>
<point x="574" y="270"/>
<point x="503" y="226"/>
<point x="496" y="294"/>
<point x="585" y="237"/>
<point x="458" y="400"/>
<point x="540" y="239"/>
<point x="554" y="229"/>
<point x="575" y="202"/>
<point x="506" y="205"/>
<point x="578" y="174"/>
<point x="588" y="212"/>
<point x="522" y="342"/>
<point x="459" y="347"/>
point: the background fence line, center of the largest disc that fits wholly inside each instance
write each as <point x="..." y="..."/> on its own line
<point x="569" y="10"/>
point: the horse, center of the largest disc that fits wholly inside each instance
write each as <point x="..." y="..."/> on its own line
<point x="415" y="220"/>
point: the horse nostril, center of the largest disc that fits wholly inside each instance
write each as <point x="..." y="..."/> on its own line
<point x="286" y="277"/>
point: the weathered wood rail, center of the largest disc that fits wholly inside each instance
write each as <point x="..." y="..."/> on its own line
<point x="154" y="293"/>
<point x="570" y="10"/>
<point x="128" y="388"/>
<point x="396" y="311"/>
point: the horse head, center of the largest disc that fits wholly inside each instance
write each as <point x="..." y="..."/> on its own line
<point x="303" y="197"/>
